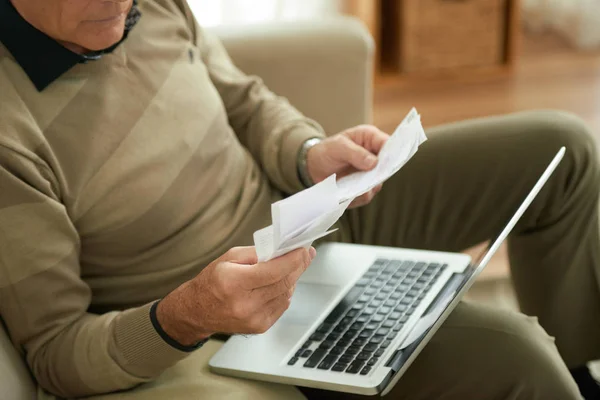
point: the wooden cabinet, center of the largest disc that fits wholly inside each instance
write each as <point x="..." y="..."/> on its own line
<point x="440" y="36"/>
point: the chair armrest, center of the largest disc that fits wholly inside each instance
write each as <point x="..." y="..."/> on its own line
<point x="324" y="67"/>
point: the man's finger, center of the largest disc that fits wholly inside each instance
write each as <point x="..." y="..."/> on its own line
<point x="369" y="137"/>
<point x="287" y="285"/>
<point x="273" y="271"/>
<point x="357" y="156"/>
<point x="241" y="255"/>
<point x="366" y="198"/>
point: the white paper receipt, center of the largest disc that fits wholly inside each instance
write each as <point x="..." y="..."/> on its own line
<point x="301" y="219"/>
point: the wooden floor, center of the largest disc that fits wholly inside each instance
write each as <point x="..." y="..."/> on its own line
<point x="549" y="74"/>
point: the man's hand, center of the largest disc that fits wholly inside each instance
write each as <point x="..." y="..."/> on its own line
<point x="353" y="150"/>
<point x="233" y="294"/>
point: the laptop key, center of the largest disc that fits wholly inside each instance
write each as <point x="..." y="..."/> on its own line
<point x="355" y="367"/>
<point x="356" y="326"/>
<point x="337" y="350"/>
<point x="326" y="345"/>
<point x="315" y="358"/>
<point x="317" y="337"/>
<point x="389" y="303"/>
<point x="359" y="342"/>
<point x="388" y="324"/>
<point x="386" y="344"/>
<point x="394" y="316"/>
<point x="365" y="333"/>
<point x="362" y="318"/>
<point x="368" y="311"/>
<point x="370" y="291"/>
<point x="381" y="296"/>
<point x="344" y="305"/>
<point x="372" y="325"/>
<point x="412" y="293"/>
<point x="406" y="300"/>
<point x="339" y="367"/>
<point x="384" y="310"/>
<point x="377" y="318"/>
<point x="376" y="284"/>
<point x="293" y="361"/>
<point x="375" y="303"/>
<point x="373" y="361"/>
<point x="363" y="298"/>
<point x="346" y="358"/>
<point x="376" y="340"/>
<point x="327" y="362"/>
<point x="387" y="289"/>
<point x="350" y="334"/>
<point x="370" y="347"/>
<point x="379" y="352"/>
<point x="307" y="344"/>
<point x="306" y="353"/>
<point x="363" y="356"/>
<point x="365" y="370"/>
<point x="398" y="327"/>
<point x="401" y="308"/>
<point x="352" y="313"/>
<point x="324" y="328"/>
<point x="362" y="282"/>
<point x="352" y="350"/>
<point x="395" y="296"/>
<point x="344" y="342"/>
<point x="382" y="331"/>
<point x="403" y="319"/>
<point x="299" y="353"/>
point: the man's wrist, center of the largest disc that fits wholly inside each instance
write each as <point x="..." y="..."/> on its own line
<point x="302" y="161"/>
<point x="176" y="333"/>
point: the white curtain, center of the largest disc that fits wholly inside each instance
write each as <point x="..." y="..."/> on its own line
<point x="223" y="12"/>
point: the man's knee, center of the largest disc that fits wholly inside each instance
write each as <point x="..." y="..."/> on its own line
<point x="559" y="128"/>
<point x="526" y="359"/>
<point x="507" y="352"/>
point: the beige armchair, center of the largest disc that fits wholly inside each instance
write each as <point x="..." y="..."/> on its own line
<point x="323" y="67"/>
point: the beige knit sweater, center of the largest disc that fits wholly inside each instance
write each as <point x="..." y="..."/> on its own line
<point x="121" y="180"/>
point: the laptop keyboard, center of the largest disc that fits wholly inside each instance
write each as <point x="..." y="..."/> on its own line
<point x="362" y="326"/>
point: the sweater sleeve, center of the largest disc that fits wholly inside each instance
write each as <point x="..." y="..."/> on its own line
<point x="266" y="124"/>
<point x="44" y="301"/>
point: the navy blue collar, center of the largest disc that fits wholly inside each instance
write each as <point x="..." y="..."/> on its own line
<point x="42" y="58"/>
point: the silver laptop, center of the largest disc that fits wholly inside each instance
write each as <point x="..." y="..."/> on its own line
<point x="361" y="315"/>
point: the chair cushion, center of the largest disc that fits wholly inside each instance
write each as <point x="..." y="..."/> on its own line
<point x="15" y="379"/>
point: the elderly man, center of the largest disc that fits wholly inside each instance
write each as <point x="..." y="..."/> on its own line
<point x="135" y="159"/>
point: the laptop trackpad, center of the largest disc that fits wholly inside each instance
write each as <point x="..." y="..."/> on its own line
<point x="308" y="302"/>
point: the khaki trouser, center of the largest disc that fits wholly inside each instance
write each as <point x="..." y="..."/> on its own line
<point x="459" y="190"/>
